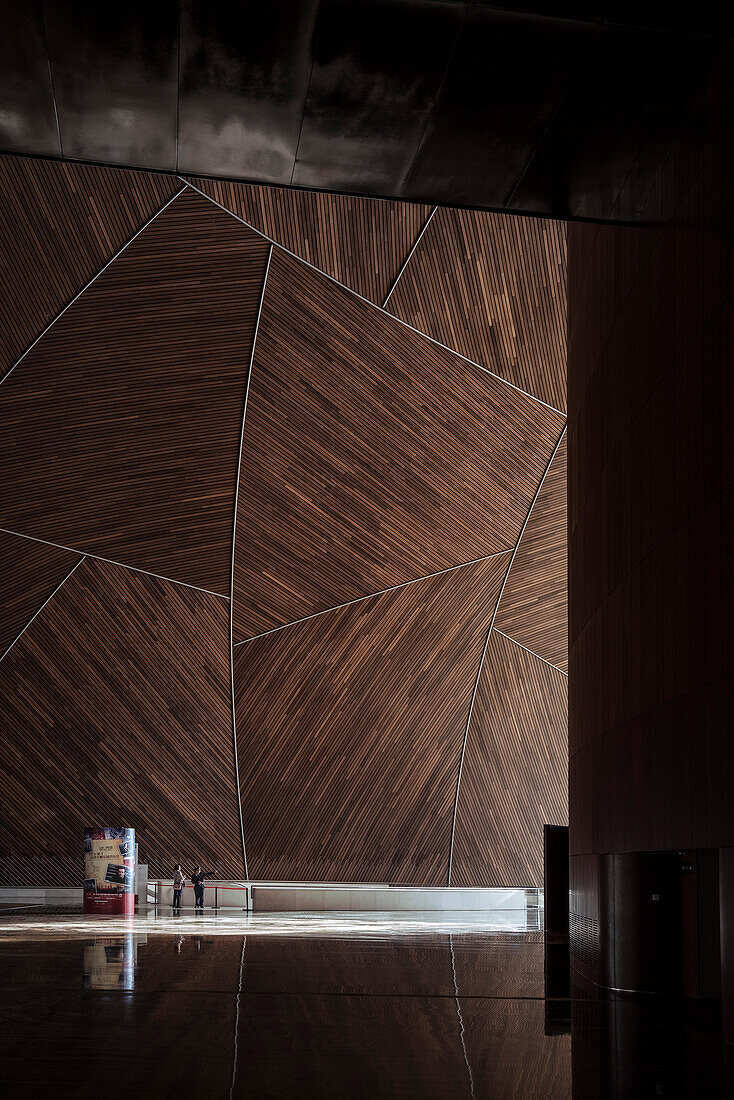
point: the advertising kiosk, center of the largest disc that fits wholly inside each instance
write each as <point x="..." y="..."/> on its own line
<point x="109" y="871"/>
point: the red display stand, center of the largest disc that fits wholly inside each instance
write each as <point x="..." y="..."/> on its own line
<point x="109" y="871"/>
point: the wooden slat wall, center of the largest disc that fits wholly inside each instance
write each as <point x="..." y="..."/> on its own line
<point x="115" y="709"/>
<point x="29" y="572"/>
<point x="361" y="242"/>
<point x="349" y="732"/>
<point x="370" y="457"/>
<point x="59" y="224"/>
<point x="515" y="773"/>
<point x="493" y="287"/>
<point x="130" y="407"/>
<point x="534" y="605"/>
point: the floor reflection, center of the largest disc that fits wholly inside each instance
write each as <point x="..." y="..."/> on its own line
<point x="279" y="1005"/>
<point x="327" y="1006"/>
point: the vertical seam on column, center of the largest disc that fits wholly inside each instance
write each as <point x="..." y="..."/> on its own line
<point x="409" y="257"/>
<point x="486" y="645"/>
<point x="231" y="573"/>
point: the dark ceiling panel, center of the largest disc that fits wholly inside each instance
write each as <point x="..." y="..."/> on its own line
<point x="363" y="243"/>
<point x="506" y="78"/>
<point x="115" y="706"/>
<point x="515" y="773"/>
<point x="437" y="101"/>
<point x="371" y="456"/>
<point x="608" y="122"/>
<point x="60" y="223"/>
<point x="377" y="71"/>
<point x="130" y="406"/>
<point x="345" y="781"/>
<point x="27" y="117"/>
<point x="245" y="67"/>
<point x="115" y="71"/>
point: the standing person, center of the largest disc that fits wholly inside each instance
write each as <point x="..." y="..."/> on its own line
<point x="178" y="885"/>
<point x="198" y="880"/>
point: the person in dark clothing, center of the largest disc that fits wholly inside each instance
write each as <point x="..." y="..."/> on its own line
<point x="178" y="885"/>
<point x="198" y="880"/>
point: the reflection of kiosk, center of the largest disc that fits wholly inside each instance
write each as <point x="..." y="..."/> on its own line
<point x="109" y="871"/>
<point x="109" y="962"/>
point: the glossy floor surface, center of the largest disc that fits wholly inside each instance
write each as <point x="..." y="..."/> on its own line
<point x="323" y="1005"/>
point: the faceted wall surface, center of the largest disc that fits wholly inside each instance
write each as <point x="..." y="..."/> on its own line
<point x="282" y="530"/>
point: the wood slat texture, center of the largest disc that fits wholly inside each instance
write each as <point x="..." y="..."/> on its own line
<point x="59" y="225"/>
<point x="534" y="605"/>
<point x="371" y="456"/>
<point x="361" y="242"/>
<point x="515" y="774"/>
<point x="115" y="710"/>
<point x="349" y="731"/>
<point x="130" y="408"/>
<point x="493" y="287"/>
<point x="29" y="572"/>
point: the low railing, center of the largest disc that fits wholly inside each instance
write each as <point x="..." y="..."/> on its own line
<point x="217" y="895"/>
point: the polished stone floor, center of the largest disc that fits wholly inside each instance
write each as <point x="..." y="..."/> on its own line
<point x="324" y="1005"/>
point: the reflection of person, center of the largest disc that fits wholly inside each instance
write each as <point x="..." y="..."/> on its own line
<point x="198" y="880"/>
<point x="178" y="885"/>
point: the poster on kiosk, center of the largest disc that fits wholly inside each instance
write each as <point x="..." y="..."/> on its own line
<point x="109" y="871"/>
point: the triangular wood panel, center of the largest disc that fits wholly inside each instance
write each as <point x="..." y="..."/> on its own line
<point x="534" y="605"/>
<point x="130" y="407"/>
<point x="514" y="778"/>
<point x="361" y="242"/>
<point x="60" y="223"/>
<point x="493" y="287"/>
<point x="125" y="718"/>
<point x="29" y="573"/>
<point x="349" y="732"/>
<point x="371" y="456"/>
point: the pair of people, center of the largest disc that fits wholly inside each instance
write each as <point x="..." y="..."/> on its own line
<point x="198" y="882"/>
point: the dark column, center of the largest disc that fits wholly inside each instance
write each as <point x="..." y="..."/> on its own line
<point x="651" y="459"/>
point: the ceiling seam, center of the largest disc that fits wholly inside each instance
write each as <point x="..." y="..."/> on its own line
<point x="231" y="575"/>
<point x="554" y="114"/>
<point x="372" y="595"/>
<point x="178" y="83"/>
<point x="86" y="286"/>
<point x="373" y="305"/>
<point x="486" y="646"/>
<point x="111" y="561"/>
<point x="406" y="178"/>
<point x="316" y="36"/>
<point x="51" y="75"/>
